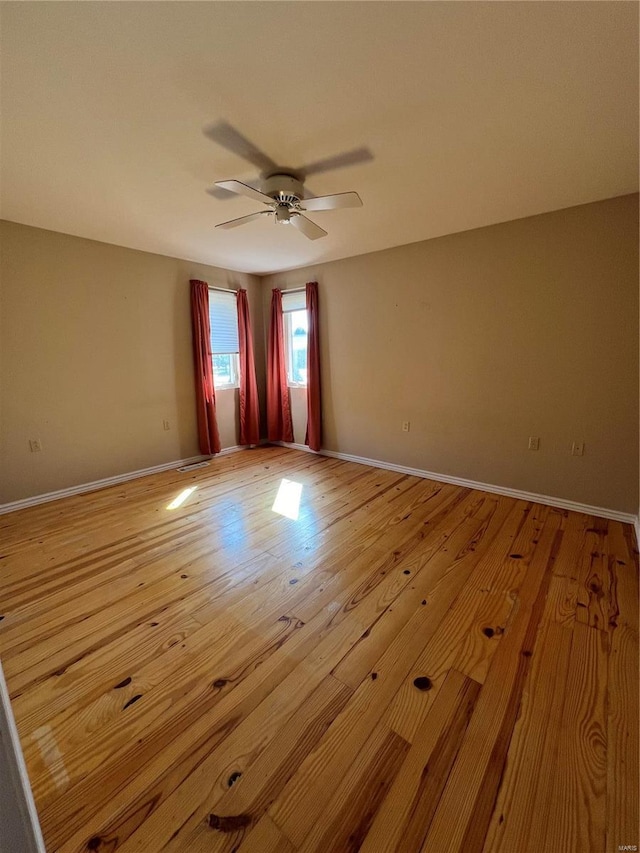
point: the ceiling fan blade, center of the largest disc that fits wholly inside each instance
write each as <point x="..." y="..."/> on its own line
<point x="219" y="193"/>
<point x="332" y="202"/>
<point x="228" y="137"/>
<point x="308" y="228"/>
<point x="244" y="189"/>
<point x="233" y="223"/>
<point x="349" y="158"/>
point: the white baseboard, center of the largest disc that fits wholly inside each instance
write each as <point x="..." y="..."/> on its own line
<point x="549" y="500"/>
<point x="293" y="446"/>
<point x="109" y="481"/>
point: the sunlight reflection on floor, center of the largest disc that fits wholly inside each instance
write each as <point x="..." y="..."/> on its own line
<point x="287" y="500"/>
<point x="181" y="498"/>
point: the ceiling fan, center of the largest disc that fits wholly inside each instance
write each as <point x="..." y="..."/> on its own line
<point x="282" y="189"/>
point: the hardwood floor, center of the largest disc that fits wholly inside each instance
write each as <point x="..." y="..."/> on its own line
<point x="406" y="666"/>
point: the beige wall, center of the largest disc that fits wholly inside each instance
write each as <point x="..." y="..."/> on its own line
<point x="95" y="351"/>
<point x="484" y="338"/>
<point x="480" y="339"/>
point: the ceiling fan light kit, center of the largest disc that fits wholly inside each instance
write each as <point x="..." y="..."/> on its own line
<point x="283" y="215"/>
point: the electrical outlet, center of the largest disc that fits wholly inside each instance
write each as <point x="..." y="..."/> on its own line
<point x="577" y="449"/>
<point x="165" y="424"/>
<point x="534" y="442"/>
<point x="406" y="426"/>
<point x="35" y="445"/>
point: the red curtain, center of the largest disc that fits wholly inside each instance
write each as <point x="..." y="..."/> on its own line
<point x="279" y="424"/>
<point x="249" y="406"/>
<point x="314" y="403"/>
<point x="208" y="435"/>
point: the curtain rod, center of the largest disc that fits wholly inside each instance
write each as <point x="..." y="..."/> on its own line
<point x="222" y="289"/>
<point x="231" y="290"/>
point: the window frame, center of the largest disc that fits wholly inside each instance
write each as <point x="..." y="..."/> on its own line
<point x="296" y="297"/>
<point x="288" y="334"/>
<point x="234" y="357"/>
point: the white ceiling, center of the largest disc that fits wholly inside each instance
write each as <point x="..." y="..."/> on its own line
<point x="475" y="113"/>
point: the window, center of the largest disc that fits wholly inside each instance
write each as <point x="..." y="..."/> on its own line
<point x="223" y="320"/>
<point x="294" y="310"/>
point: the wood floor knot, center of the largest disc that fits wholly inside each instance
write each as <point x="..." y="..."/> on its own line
<point x="132" y="700"/>
<point x="224" y="823"/>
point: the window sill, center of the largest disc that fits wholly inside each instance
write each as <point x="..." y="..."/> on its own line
<point x="225" y="388"/>
<point x="296" y="385"/>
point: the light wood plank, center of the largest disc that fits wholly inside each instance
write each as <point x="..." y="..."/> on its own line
<point x="266" y="838"/>
<point x="402" y="822"/>
<point x="576" y="819"/>
<point x="348" y="816"/>
<point x="623" y="705"/>
<point x="519" y="820"/>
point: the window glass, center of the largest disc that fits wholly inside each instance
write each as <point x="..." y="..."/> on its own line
<point x="296" y="333"/>
<point x="223" y="322"/>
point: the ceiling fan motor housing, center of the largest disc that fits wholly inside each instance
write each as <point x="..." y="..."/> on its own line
<point x="283" y="188"/>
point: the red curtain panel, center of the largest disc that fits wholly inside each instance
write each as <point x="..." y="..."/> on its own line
<point x="208" y="435"/>
<point x="279" y="424"/>
<point x="249" y="405"/>
<point x="314" y="402"/>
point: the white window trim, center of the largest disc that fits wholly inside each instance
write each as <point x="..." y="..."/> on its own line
<point x="291" y="383"/>
<point x="235" y="362"/>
